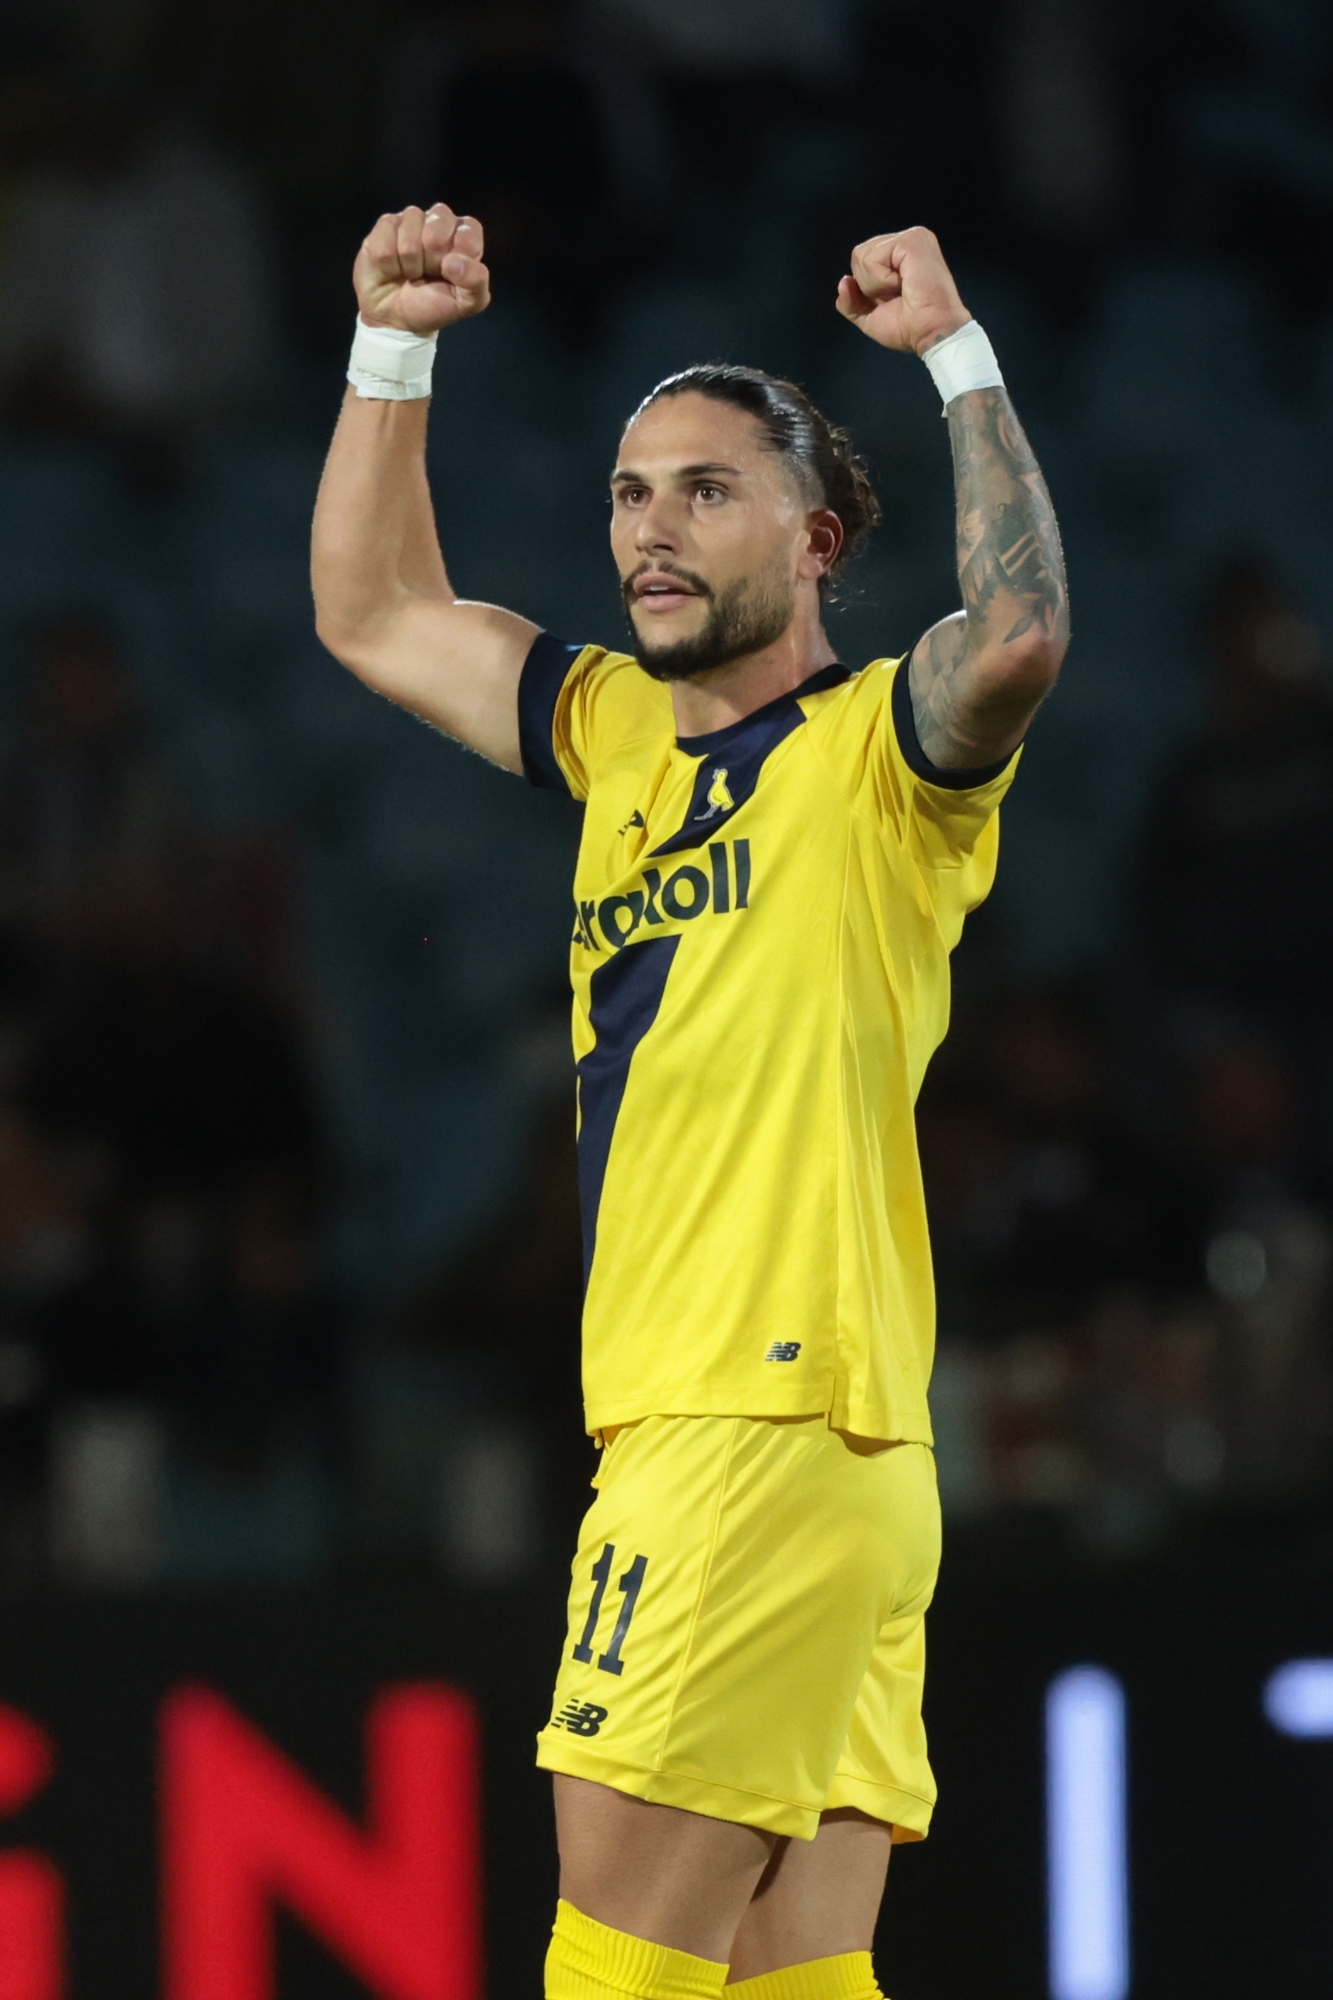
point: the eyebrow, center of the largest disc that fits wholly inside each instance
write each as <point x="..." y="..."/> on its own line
<point x="623" y="477"/>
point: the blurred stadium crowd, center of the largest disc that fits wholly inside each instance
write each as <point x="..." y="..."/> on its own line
<point x="289" y="1268"/>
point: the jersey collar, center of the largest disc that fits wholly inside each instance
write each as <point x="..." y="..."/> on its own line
<point x="733" y="732"/>
<point x="732" y="759"/>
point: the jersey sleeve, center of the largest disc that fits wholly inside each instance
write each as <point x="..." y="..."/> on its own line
<point x="943" y="820"/>
<point x="908" y="744"/>
<point x="575" y="705"/>
<point x="938" y="812"/>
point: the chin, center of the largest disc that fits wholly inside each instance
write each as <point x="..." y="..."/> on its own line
<point x="657" y="633"/>
<point x="675" y="663"/>
<point x="656" y="649"/>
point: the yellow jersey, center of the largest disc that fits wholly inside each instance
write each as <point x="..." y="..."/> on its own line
<point x="763" y="919"/>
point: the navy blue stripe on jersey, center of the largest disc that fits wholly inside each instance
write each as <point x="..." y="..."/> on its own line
<point x="733" y="758"/>
<point x="904" y="721"/>
<point x="545" y="672"/>
<point x="626" y="995"/>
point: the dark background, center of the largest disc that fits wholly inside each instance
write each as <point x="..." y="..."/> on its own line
<point x="289" y="1275"/>
<point x="1232" y="1825"/>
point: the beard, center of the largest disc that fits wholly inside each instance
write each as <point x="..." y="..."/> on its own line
<point x="744" y="617"/>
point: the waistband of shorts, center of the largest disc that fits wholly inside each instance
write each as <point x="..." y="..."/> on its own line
<point x="864" y="1446"/>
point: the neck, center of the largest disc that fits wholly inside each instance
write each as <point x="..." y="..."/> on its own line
<point x="730" y="693"/>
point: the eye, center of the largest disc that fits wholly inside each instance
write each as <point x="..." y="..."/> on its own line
<point x="630" y="496"/>
<point x="706" y="490"/>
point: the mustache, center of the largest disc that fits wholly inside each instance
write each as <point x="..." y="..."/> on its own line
<point x="685" y="576"/>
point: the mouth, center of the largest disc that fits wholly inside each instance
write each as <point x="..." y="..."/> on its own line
<point x="658" y="591"/>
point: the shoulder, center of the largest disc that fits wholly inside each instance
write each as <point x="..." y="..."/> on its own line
<point x="555" y="666"/>
<point x="613" y="690"/>
<point x="850" y="717"/>
<point x="576" y="701"/>
<point x="866" y="730"/>
<point x="859" y="697"/>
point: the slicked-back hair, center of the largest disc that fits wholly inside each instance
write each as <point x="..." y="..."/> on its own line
<point x="820" y="455"/>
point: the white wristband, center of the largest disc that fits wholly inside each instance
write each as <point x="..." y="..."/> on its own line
<point x="388" y="365"/>
<point x="962" y="361"/>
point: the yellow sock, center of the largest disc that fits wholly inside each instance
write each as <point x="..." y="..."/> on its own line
<point x="588" y="1962"/>
<point x="850" y="1976"/>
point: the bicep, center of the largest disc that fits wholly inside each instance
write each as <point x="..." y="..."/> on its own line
<point x="456" y="665"/>
<point x="972" y="710"/>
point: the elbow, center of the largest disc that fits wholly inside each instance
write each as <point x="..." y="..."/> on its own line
<point x="1039" y="661"/>
<point x="335" y="635"/>
<point x="330" y="603"/>
<point x="333" y="632"/>
<point x="1023" y="670"/>
<point x="348" y="645"/>
<point x="345" y="611"/>
<point x="342" y="628"/>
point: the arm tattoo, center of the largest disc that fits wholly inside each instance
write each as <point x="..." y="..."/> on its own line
<point x="1015" y="601"/>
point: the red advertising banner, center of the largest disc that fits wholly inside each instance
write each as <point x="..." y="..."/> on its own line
<point x="244" y="1830"/>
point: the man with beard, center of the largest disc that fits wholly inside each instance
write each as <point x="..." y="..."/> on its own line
<point x="777" y="858"/>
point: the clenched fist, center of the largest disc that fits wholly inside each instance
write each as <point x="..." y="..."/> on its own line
<point x="422" y="271"/>
<point x="901" y="292"/>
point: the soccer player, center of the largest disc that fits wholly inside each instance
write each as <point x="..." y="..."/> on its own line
<point x="778" y="853"/>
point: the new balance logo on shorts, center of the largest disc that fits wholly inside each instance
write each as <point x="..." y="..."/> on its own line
<point x="783" y="1350"/>
<point x="579" y="1718"/>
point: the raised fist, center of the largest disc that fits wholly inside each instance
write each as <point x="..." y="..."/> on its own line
<point x="901" y="292"/>
<point x="421" y="271"/>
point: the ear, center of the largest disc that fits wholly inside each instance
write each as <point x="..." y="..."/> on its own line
<point x="824" y="540"/>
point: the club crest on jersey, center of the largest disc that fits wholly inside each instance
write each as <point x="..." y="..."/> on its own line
<point x="722" y="888"/>
<point x="718" y="797"/>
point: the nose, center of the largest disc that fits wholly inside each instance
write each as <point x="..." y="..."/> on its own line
<point x="657" y="530"/>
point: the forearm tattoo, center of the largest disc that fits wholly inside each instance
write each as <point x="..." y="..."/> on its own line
<point x="1011" y="569"/>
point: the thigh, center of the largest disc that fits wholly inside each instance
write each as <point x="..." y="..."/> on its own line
<point x="817" y="1898"/>
<point x="675" y="1878"/>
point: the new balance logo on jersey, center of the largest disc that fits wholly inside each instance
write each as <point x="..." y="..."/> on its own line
<point x="783" y="1350"/>
<point x="580" y="1718"/>
<point x="720" y="889"/>
<point x="719" y="798"/>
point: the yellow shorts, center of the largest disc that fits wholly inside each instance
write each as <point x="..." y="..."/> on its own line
<point x="747" y="1624"/>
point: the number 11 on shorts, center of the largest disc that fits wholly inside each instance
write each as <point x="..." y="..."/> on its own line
<point x="631" y="1583"/>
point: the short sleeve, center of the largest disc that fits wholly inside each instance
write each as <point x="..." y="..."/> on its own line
<point x="578" y="705"/>
<point x="915" y="758"/>
<point x="548" y="666"/>
<point x="942" y="818"/>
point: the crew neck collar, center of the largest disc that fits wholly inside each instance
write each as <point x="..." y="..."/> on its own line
<point x="718" y="739"/>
